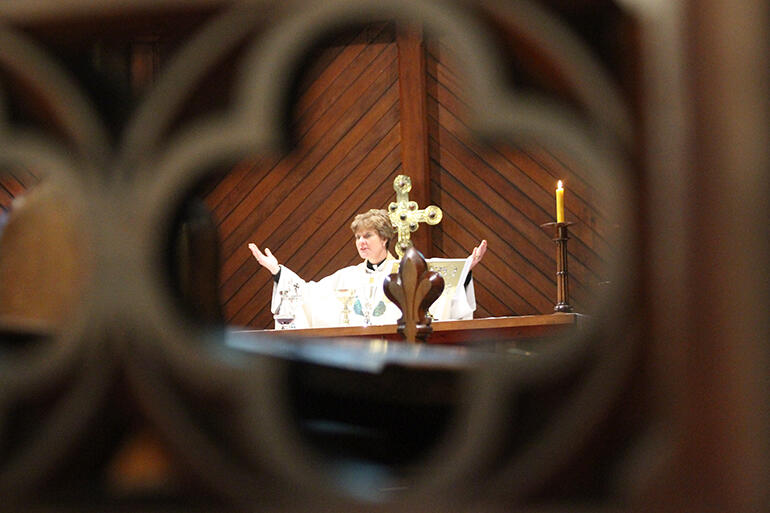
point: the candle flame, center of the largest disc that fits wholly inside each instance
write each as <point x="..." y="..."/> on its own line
<point x="559" y="186"/>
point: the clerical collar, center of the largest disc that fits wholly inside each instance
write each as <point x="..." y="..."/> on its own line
<point x="375" y="267"/>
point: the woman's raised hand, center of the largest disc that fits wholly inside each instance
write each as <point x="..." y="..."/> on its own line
<point x="477" y="254"/>
<point x="266" y="259"/>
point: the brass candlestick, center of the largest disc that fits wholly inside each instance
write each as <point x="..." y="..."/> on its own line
<point x="562" y="271"/>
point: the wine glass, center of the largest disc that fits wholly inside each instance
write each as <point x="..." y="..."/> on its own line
<point x="284" y="320"/>
<point x="344" y="296"/>
<point x="285" y="314"/>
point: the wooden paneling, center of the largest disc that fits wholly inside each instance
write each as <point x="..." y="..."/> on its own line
<point x="13" y="183"/>
<point x="300" y="205"/>
<point x="504" y="193"/>
<point x="348" y="125"/>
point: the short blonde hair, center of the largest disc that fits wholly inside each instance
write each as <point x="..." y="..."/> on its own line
<point x="375" y="219"/>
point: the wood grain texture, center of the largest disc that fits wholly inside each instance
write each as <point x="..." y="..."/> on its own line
<point x="414" y="123"/>
<point x="300" y="204"/>
<point x="14" y="183"/>
<point x="504" y="193"/>
<point x="349" y="128"/>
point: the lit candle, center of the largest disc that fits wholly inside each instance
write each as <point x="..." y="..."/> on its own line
<point x="559" y="203"/>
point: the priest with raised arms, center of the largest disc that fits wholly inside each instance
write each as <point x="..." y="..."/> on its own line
<point x="354" y="295"/>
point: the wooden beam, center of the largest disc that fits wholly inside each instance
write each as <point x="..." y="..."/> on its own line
<point x="414" y="123"/>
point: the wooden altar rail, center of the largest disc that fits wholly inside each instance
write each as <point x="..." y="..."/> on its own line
<point x="490" y="329"/>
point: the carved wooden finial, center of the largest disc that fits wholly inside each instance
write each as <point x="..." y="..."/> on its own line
<point x="413" y="289"/>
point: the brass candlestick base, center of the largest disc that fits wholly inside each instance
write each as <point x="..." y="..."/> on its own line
<point x="562" y="272"/>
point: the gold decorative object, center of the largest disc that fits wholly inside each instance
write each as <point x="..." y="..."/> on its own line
<point x="413" y="289"/>
<point x="405" y="216"/>
<point x="345" y="296"/>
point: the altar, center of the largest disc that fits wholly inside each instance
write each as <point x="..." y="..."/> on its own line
<point x="457" y="332"/>
<point x="364" y="394"/>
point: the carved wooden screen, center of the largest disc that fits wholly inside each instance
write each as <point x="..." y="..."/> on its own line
<point x="125" y="402"/>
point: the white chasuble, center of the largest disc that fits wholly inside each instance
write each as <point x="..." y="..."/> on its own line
<point x="353" y="296"/>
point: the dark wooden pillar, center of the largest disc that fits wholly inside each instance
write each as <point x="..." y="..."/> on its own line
<point x="719" y="396"/>
<point x="726" y="364"/>
<point x="414" y="123"/>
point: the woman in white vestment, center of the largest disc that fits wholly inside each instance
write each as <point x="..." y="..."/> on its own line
<point x="353" y="295"/>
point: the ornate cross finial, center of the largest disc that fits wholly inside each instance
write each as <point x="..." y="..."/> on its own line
<point x="405" y="216"/>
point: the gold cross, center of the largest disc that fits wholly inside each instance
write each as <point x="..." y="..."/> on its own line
<point x="404" y="215"/>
